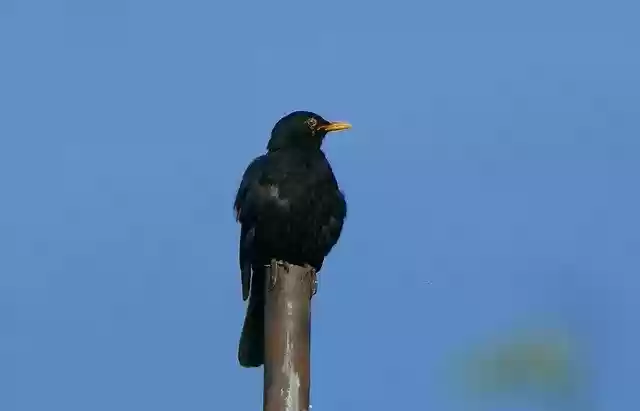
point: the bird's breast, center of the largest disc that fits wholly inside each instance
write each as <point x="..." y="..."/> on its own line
<point x="276" y="196"/>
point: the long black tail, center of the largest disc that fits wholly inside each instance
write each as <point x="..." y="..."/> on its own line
<point x="251" y="346"/>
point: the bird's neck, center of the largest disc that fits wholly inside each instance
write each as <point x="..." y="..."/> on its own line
<point x="288" y="142"/>
<point x="299" y="151"/>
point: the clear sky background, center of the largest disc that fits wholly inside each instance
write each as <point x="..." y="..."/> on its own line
<point x="491" y="174"/>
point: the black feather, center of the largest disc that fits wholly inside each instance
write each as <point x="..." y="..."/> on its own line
<point x="290" y="208"/>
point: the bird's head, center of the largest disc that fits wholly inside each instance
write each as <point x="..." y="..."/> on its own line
<point x="302" y="129"/>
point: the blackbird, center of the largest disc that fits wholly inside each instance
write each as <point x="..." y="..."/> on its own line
<point x="290" y="208"/>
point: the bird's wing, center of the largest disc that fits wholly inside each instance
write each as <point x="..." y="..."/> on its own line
<point x="332" y="228"/>
<point x="250" y="177"/>
<point x="244" y="215"/>
<point x="245" y="256"/>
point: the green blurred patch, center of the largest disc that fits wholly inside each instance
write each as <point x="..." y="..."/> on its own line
<point x="536" y="363"/>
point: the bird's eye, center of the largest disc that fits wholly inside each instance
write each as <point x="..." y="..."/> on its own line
<point x="312" y="123"/>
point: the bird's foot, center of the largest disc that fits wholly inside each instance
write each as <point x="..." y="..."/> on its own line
<point x="314" y="278"/>
<point x="272" y="270"/>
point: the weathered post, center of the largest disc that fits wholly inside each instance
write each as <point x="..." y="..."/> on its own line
<point x="287" y="365"/>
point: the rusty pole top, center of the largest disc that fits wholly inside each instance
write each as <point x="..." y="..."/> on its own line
<point x="287" y="366"/>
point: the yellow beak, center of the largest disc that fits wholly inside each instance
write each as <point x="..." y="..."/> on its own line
<point x="335" y="126"/>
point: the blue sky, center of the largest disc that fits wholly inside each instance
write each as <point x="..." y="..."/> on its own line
<point x="491" y="177"/>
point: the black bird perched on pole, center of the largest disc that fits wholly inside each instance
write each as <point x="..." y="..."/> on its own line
<point x="290" y="208"/>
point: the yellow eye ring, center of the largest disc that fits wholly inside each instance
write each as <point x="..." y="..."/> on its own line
<point x="312" y="123"/>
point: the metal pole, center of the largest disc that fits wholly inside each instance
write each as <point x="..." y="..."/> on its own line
<point x="287" y="365"/>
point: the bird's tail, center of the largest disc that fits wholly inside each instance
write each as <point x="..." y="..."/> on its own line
<point x="251" y="346"/>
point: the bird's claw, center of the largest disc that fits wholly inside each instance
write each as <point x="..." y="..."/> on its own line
<point x="314" y="279"/>
<point x="273" y="274"/>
